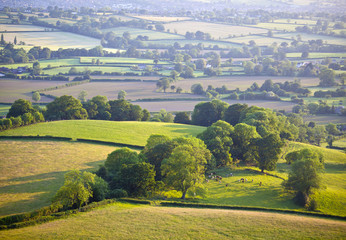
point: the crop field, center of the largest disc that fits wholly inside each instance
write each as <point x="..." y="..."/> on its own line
<point x="153" y="35"/>
<point x="324" y="119"/>
<point x="134" y="90"/>
<point x="31" y="172"/>
<point x="129" y="221"/>
<point x="161" y="18"/>
<point x="53" y="40"/>
<point x="318" y="55"/>
<point x="4" y="109"/>
<point x="120" y="60"/>
<point x="20" y="28"/>
<point x="259" y="40"/>
<point x="306" y="37"/>
<point x="134" y="133"/>
<point x="11" y="90"/>
<point x="216" y="30"/>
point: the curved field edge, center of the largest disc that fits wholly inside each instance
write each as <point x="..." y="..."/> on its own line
<point x="132" y="133"/>
<point x="132" y="221"/>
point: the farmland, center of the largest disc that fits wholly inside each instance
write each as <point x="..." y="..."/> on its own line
<point x="161" y="18"/>
<point x="20" y="28"/>
<point x="218" y="31"/>
<point x="306" y="37"/>
<point x="133" y="133"/>
<point x="259" y="40"/>
<point x="124" y="221"/>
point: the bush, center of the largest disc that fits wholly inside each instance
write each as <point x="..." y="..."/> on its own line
<point x="312" y="205"/>
<point x="117" y="193"/>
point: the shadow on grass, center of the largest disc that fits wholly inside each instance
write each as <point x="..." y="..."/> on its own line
<point x="335" y="168"/>
<point x="24" y="194"/>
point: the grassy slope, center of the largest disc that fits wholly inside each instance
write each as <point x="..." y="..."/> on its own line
<point x="32" y="172"/>
<point x="135" y="133"/>
<point x="126" y="221"/>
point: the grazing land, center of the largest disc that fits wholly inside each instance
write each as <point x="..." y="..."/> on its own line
<point x="4" y="109"/>
<point x="120" y="60"/>
<point x="217" y="31"/>
<point x="31" y="172"/>
<point x="124" y="221"/>
<point x="53" y="40"/>
<point x="134" y="133"/>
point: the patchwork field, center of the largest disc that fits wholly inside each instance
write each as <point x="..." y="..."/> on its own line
<point x="182" y="42"/>
<point x="134" y="133"/>
<point x="216" y="30"/>
<point x="31" y="172"/>
<point x="259" y="40"/>
<point x="124" y="221"/>
<point x="53" y="40"/>
<point x="153" y="35"/>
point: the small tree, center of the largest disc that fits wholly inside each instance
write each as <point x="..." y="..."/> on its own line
<point x="36" y="96"/>
<point x="122" y="94"/>
<point x="36" y="68"/>
<point x="82" y="95"/>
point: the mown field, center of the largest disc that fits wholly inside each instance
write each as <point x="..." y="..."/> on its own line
<point x="4" y="109"/>
<point x="32" y="171"/>
<point x="134" y="133"/>
<point x="134" y="32"/>
<point x="20" y="28"/>
<point x="128" y="221"/>
<point x="217" y="31"/>
<point x="53" y="40"/>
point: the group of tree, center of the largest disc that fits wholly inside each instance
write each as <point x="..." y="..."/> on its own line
<point x="21" y="113"/>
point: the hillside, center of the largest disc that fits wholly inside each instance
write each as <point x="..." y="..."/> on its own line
<point x="132" y="133"/>
<point x="128" y="221"/>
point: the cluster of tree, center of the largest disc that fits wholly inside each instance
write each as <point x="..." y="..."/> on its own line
<point x="21" y="113"/>
<point x="270" y="67"/>
<point x="10" y="55"/>
<point x="304" y="176"/>
<point x="199" y="35"/>
<point x="315" y="108"/>
<point x="340" y="92"/>
<point x="178" y="164"/>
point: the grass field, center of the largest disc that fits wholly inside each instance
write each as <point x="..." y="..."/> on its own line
<point x="53" y="40"/>
<point x="153" y="35"/>
<point x="296" y="21"/>
<point x="259" y="40"/>
<point x="135" y="133"/>
<point x="278" y="26"/>
<point x="182" y="42"/>
<point x="65" y="70"/>
<point x="4" y="109"/>
<point x="306" y="37"/>
<point x="216" y="30"/>
<point x="32" y="172"/>
<point x="20" y="28"/>
<point x="324" y="119"/>
<point x="128" y="221"/>
<point x="317" y="55"/>
<point x="44" y="63"/>
<point x="161" y="18"/>
<point x="120" y="60"/>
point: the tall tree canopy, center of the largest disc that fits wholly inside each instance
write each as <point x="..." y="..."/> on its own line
<point x="65" y="108"/>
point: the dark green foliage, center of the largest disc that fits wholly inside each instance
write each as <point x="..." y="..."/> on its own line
<point x="65" y="108"/>
<point x="206" y="113"/>
<point x="20" y="107"/>
<point x="99" y="189"/>
<point x="182" y="117"/>
<point x="117" y="193"/>
<point x="233" y="113"/>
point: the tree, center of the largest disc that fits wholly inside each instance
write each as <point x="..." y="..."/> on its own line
<point x="137" y="179"/>
<point x="185" y="168"/>
<point x="20" y="107"/>
<point x="268" y="150"/>
<point x="65" y="108"/>
<point x="233" y="113"/>
<point x="332" y="129"/>
<point x="122" y="94"/>
<point x="197" y="88"/>
<point x="182" y="117"/>
<point x="15" y="40"/>
<point x="73" y="71"/>
<point x="206" y="113"/>
<point x="36" y="96"/>
<point x="76" y="191"/>
<point x="163" y="83"/>
<point x="162" y="116"/>
<point x="36" y="69"/>
<point x="27" y="118"/>
<point x="327" y="77"/>
<point x="82" y="95"/>
<point x="218" y="139"/>
<point x="2" y="42"/>
<point x="304" y="176"/>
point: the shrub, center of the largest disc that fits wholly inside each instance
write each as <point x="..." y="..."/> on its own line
<point x="117" y="193"/>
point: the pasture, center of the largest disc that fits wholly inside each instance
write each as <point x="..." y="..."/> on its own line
<point x="20" y="28"/>
<point x="278" y="26"/>
<point x="81" y="68"/>
<point x="4" y="109"/>
<point x="182" y="42"/>
<point x="118" y="60"/>
<point x="324" y="119"/>
<point x="134" y="32"/>
<point x="32" y="171"/>
<point x="259" y="40"/>
<point x="296" y="21"/>
<point x="217" y="31"/>
<point x="53" y="40"/>
<point x="133" y="133"/>
<point x="129" y="221"/>
<point x="45" y="63"/>
<point x="306" y="37"/>
<point x="318" y="55"/>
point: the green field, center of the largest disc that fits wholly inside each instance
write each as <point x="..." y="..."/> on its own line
<point x="45" y="63"/>
<point x="259" y="40"/>
<point x="296" y="21"/>
<point x="153" y="35"/>
<point x="182" y="42"/>
<point x="4" y="109"/>
<point x="53" y="40"/>
<point x="306" y="37"/>
<point x="32" y="172"/>
<point x="128" y="221"/>
<point x="65" y="70"/>
<point x="216" y="30"/>
<point x="120" y="60"/>
<point x="20" y="28"/>
<point x="317" y="55"/>
<point x="278" y="26"/>
<point x="134" y="133"/>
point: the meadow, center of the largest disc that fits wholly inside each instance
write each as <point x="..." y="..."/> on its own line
<point x="4" y="109"/>
<point x="20" y="28"/>
<point x="278" y="26"/>
<point x="81" y="68"/>
<point x="134" y="32"/>
<point x="217" y="31"/>
<point x="133" y="133"/>
<point x="161" y="18"/>
<point x="259" y="40"/>
<point x="129" y="221"/>
<point x="120" y="60"/>
<point x="318" y="55"/>
<point x="53" y="40"/>
<point x="182" y="42"/>
<point x="306" y="37"/>
<point x="31" y="172"/>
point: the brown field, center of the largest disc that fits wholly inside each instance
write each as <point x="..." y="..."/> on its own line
<point x="11" y="89"/>
<point x="216" y="30"/>
<point x="325" y="119"/>
<point x="242" y="82"/>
